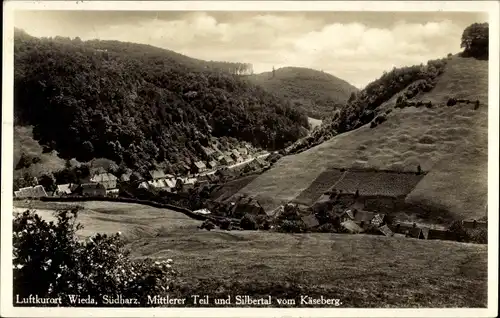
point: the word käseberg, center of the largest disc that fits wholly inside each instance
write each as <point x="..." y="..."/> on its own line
<point x="245" y="300"/>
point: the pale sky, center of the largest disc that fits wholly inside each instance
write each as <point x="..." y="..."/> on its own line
<point x="355" y="46"/>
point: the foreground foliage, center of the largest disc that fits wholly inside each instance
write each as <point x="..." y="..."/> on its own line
<point x="49" y="261"/>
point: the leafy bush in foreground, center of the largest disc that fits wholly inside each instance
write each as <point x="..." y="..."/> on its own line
<point x="50" y="261"/>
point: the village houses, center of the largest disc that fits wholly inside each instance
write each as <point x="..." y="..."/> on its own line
<point x="31" y="192"/>
<point x="65" y="189"/>
<point x="106" y="179"/>
<point x="199" y="167"/>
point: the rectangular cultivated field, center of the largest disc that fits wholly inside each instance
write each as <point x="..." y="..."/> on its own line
<point x="378" y="183"/>
<point x="321" y="184"/>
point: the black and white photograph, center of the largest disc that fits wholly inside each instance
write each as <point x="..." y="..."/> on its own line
<point x="250" y="158"/>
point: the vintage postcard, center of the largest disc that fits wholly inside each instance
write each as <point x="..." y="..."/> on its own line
<point x="250" y="159"/>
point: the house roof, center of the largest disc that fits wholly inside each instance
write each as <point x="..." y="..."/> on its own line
<point x="125" y="177"/>
<point x="157" y="183"/>
<point x="171" y="182"/>
<point x="363" y="216"/>
<point x="157" y="174"/>
<point x="212" y="163"/>
<point x="103" y="177"/>
<point x="143" y="185"/>
<point x="208" y="150"/>
<point x="357" y="206"/>
<point x="352" y="227"/>
<point x="350" y="214"/>
<point x="200" y="165"/>
<point x="260" y="161"/>
<point x="310" y="220"/>
<point x="243" y="151"/>
<point x="202" y="211"/>
<point x="31" y="192"/>
<point x="235" y="152"/>
<point x="425" y="232"/>
<point x="65" y="188"/>
<point x="386" y="230"/>
<point x="414" y="232"/>
<point x="378" y="219"/>
<point x="227" y="159"/>
<point x="247" y="205"/>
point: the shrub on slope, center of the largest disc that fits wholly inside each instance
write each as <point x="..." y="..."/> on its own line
<point x="136" y="106"/>
<point x="49" y="261"/>
<point x="361" y="108"/>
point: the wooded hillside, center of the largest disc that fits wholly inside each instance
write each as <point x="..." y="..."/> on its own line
<point x="138" y="104"/>
<point x="317" y="93"/>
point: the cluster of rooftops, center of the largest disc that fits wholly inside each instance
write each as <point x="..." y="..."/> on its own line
<point x="103" y="183"/>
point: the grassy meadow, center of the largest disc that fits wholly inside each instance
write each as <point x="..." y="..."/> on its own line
<point x="361" y="270"/>
<point x="450" y="143"/>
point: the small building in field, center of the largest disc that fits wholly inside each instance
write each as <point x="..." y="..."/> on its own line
<point x="106" y="179"/>
<point x="92" y="189"/>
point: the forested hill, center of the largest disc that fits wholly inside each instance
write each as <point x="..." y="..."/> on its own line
<point x="317" y="93"/>
<point x="138" y="104"/>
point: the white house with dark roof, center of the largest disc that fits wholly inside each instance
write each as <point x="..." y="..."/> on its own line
<point x="106" y="179"/>
<point x="199" y="166"/>
<point x="65" y="189"/>
<point x="31" y="192"/>
<point x="235" y="154"/>
<point x="243" y="151"/>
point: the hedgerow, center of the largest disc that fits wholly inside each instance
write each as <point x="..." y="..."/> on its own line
<point x="50" y="261"/>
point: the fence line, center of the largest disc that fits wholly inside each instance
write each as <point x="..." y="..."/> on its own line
<point x="154" y="204"/>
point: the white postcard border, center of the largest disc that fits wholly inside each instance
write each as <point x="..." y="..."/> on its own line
<point x="7" y="310"/>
